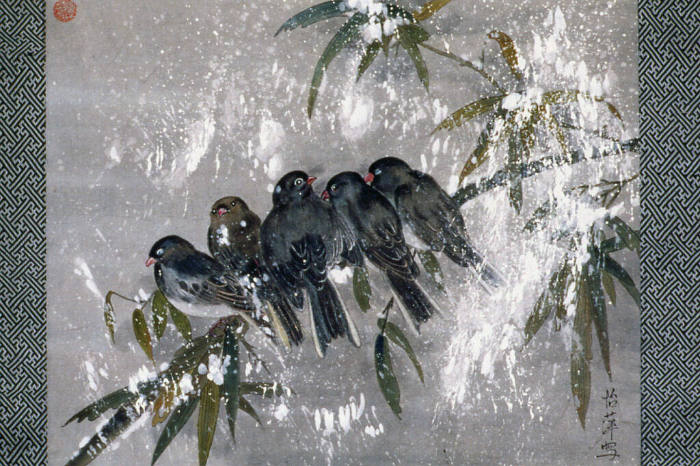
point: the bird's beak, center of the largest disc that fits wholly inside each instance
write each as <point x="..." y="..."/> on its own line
<point x="150" y="261"/>
<point x="221" y="211"/>
<point x="310" y="180"/>
<point x="325" y="196"/>
<point x="369" y="177"/>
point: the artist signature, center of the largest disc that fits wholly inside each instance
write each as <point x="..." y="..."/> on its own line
<point x="609" y="426"/>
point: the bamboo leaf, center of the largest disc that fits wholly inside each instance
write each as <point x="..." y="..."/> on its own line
<point x="368" y="56"/>
<point x="508" y="51"/>
<point x="361" y="288"/>
<point x="395" y="11"/>
<point x="143" y="337"/>
<point x="432" y="268"/>
<point x="537" y="220"/>
<point x="609" y="286"/>
<point x="247" y="408"/>
<point x="346" y="34"/>
<point x="515" y="158"/>
<point x="408" y="42"/>
<point x="208" y="415"/>
<point x="181" y="321"/>
<point x="581" y="351"/>
<point x="429" y="9"/>
<point x="488" y="138"/>
<point x="543" y="308"/>
<point x="395" y="334"/>
<point x="617" y="271"/>
<point x="564" y="278"/>
<point x="623" y="231"/>
<point x="232" y="377"/>
<point x="563" y="96"/>
<point x="469" y="111"/>
<point x="414" y="33"/>
<point x="160" y="314"/>
<point x="188" y="356"/>
<point x="163" y="404"/>
<point x="176" y="422"/>
<point x="112" y="401"/>
<point x="109" y="315"/>
<point x="314" y="14"/>
<point x="599" y="315"/>
<point x="385" y="375"/>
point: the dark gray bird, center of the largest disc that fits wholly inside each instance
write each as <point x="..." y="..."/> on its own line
<point x="234" y="240"/>
<point x="301" y="237"/>
<point x="185" y="274"/>
<point x="430" y="212"/>
<point x="378" y="230"/>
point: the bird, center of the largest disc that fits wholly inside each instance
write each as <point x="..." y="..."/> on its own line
<point x="301" y="237"/>
<point x="183" y="273"/>
<point x="234" y="240"/>
<point x="380" y="235"/>
<point x="432" y="215"/>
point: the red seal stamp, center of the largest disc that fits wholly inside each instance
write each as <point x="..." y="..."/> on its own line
<point x="65" y="10"/>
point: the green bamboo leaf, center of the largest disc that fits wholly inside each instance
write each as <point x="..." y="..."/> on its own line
<point x="564" y="279"/>
<point x="609" y="286"/>
<point x="181" y="321"/>
<point x="542" y="310"/>
<point x="395" y="334"/>
<point x="112" y="401"/>
<point x="247" y="408"/>
<point x="599" y="314"/>
<point x="176" y="422"/>
<point x="109" y="315"/>
<point x="581" y="354"/>
<point x="370" y="53"/>
<point x="314" y="14"/>
<point x="232" y="377"/>
<point x="361" y="288"/>
<point x="407" y="41"/>
<point x="617" y="271"/>
<point x="510" y="54"/>
<point x="395" y="11"/>
<point x="346" y="34"/>
<point x="188" y="356"/>
<point x="432" y="267"/>
<point x="515" y="159"/>
<point x="208" y="415"/>
<point x="117" y="424"/>
<point x="556" y="128"/>
<point x="414" y="33"/>
<point x="429" y="9"/>
<point x="385" y="375"/>
<point x="623" y="231"/>
<point x="564" y="96"/>
<point x="540" y="214"/>
<point x="488" y="138"/>
<point x="469" y="111"/>
<point x="143" y="337"/>
<point x="160" y="314"/>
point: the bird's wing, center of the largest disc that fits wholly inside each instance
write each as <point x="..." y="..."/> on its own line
<point x="279" y="260"/>
<point x="209" y="282"/>
<point x="384" y="244"/>
<point x="416" y="213"/>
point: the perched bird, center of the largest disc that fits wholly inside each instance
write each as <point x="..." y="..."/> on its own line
<point x="301" y="237"/>
<point x="234" y="240"/>
<point x="430" y="212"/>
<point x="378" y="230"/>
<point x="185" y="274"/>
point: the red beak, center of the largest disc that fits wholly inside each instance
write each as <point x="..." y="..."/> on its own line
<point x="325" y="196"/>
<point x="150" y="261"/>
<point x="310" y="180"/>
<point x="221" y="211"/>
<point x="369" y="177"/>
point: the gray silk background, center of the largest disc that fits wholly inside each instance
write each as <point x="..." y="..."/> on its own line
<point x="156" y="109"/>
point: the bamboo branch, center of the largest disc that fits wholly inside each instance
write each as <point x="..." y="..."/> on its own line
<point x="500" y="178"/>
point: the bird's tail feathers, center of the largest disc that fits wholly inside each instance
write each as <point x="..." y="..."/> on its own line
<point x="466" y="256"/>
<point x="413" y="300"/>
<point x="329" y="317"/>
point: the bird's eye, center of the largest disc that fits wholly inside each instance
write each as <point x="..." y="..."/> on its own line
<point x="298" y="181"/>
<point x="159" y="252"/>
<point x="213" y="211"/>
<point x="233" y="203"/>
<point x="378" y="171"/>
<point x="334" y="187"/>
